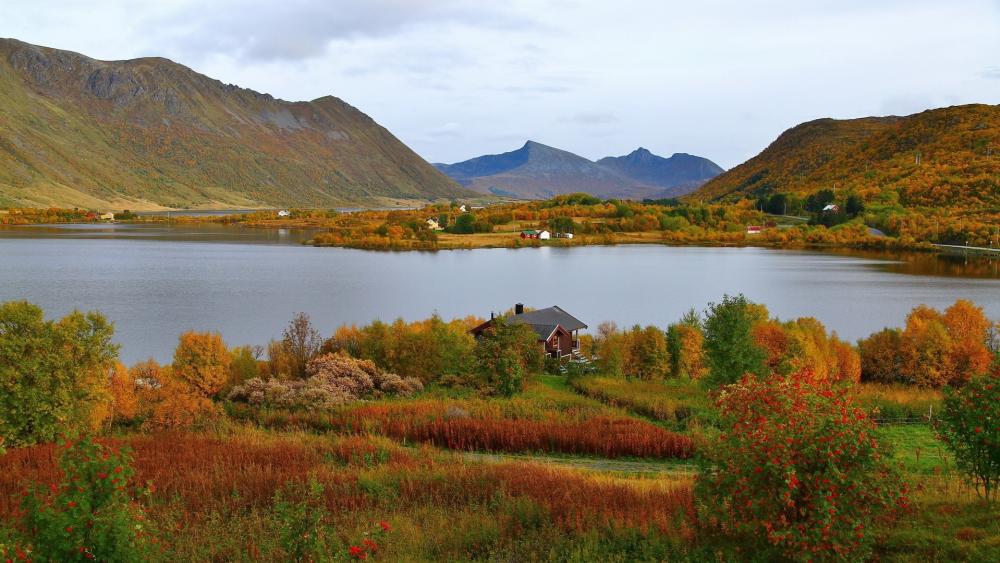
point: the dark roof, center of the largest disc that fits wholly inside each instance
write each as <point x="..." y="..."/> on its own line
<point x="545" y="320"/>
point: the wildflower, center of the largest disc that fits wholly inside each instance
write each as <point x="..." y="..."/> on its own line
<point x="102" y="476"/>
<point x="370" y="545"/>
<point x="358" y="552"/>
<point x="385" y="526"/>
<point x="71" y="504"/>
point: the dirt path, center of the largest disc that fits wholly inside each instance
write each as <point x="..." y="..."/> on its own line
<point x="598" y="465"/>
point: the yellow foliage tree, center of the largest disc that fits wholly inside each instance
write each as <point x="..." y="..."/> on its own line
<point x="201" y="361"/>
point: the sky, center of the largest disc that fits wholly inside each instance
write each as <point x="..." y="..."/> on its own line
<point x="454" y="79"/>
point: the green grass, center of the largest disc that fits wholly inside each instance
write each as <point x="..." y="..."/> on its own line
<point x="918" y="450"/>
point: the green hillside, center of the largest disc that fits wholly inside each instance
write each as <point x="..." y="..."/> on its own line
<point x="150" y="133"/>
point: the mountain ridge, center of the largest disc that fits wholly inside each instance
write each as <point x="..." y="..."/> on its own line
<point x="538" y="171"/>
<point x="153" y="133"/>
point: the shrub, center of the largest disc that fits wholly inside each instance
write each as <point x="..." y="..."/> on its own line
<point x="798" y="470"/>
<point x="91" y="514"/>
<point x="970" y="427"/>
<point x="53" y="374"/>
<point x="302" y="522"/>
<point x="334" y="379"/>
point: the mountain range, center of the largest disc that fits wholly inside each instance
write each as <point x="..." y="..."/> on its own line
<point x="150" y="133"/>
<point x="946" y="157"/>
<point x="537" y="171"/>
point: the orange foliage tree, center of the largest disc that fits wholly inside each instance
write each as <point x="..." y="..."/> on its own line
<point x="933" y="350"/>
<point x="201" y="361"/>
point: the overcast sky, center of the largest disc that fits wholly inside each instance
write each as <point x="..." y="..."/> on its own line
<point x="455" y="79"/>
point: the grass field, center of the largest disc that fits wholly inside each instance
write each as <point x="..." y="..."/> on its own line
<point x="467" y="491"/>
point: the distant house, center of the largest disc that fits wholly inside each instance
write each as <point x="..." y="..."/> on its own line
<point x="754" y="229"/>
<point x="544" y="235"/>
<point x="557" y="330"/>
<point x="284" y="213"/>
<point x="529" y="234"/>
<point x="109" y="216"/>
<point x="433" y="224"/>
<point x="564" y="235"/>
<point x="462" y="208"/>
<point x="831" y="208"/>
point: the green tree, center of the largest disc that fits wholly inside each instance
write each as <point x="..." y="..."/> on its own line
<point x="854" y="206"/>
<point x="465" y="224"/>
<point x="562" y="224"/>
<point x="504" y="352"/>
<point x="729" y="344"/>
<point x="970" y="427"/>
<point x="53" y="375"/>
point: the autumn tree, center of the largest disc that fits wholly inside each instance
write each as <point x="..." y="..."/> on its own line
<point x="968" y="329"/>
<point x="201" y="361"/>
<point x="686" y="342"/>
<point x="647" y="355"/>
<point x="301" y="342"/>
<point x="124" y="405"/>
<point x="933" y="349"/>
<point x="729" y="344"/>
<point x="53" y="374"/>
<point x="881" y="359"/>
<point x="610" y="349"/>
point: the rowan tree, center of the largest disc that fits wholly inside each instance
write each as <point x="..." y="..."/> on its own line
<point x="970" y="428"/>
<point x="798" y="471"/>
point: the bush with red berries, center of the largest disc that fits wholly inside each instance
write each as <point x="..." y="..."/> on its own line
<point x="798" y="471"/>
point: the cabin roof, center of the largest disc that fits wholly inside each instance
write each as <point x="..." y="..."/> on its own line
<point x="549" y="317"/>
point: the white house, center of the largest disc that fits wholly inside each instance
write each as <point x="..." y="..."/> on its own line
<point x="544" y="235"/>
<point x="284" y="213"/>
<point x="831" y="208"/>
<point x="433" y="224"/>
<point x="462" y="209"/>
<point x="109" y="216"/>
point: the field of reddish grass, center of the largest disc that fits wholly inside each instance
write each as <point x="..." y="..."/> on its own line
<point x="431" y="423"/>
<point x="204" y="473"/>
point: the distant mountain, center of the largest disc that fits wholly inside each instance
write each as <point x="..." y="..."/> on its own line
<point x="941" y="157"/>
<point x="150" y="133"/>
<point x="537" y="171"/>
<point x="678" y="175"/>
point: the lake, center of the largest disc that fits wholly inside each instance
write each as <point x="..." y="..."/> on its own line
<point x="156" y="281"/>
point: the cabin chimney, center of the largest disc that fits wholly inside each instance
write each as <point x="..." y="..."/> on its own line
<point x="519" y="309"/>
<point x="491" y="315"/>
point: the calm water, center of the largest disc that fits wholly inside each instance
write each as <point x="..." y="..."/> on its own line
<point x="155" y="282"/>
